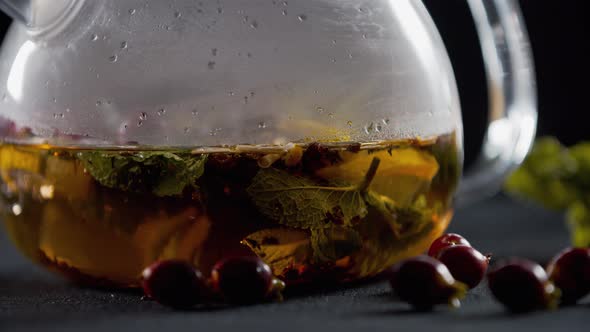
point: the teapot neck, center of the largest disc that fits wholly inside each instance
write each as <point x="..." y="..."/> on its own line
<point x="40" y="15"/>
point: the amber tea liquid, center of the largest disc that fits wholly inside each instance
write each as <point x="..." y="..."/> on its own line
<point x="311" y="211"/>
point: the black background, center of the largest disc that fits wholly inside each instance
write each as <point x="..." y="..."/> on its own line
<point x="559" y="33"/>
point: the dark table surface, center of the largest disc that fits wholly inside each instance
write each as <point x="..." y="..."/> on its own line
<point x="31" y="299"/>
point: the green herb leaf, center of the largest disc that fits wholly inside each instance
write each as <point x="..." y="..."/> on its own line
<point x="299" y="202"/>
<point x="578" y="219"/>
<point x="281" y="248"/>
<point x="334" y="243"/>
<point x="161" y="173"/>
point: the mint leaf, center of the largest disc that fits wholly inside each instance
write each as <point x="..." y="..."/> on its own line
<point x="333" y="243"/>
<point x="578" y="219"/>
<point x="299" y="202"/>
<point x="160" y="173"/>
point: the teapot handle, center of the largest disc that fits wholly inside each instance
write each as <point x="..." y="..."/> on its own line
<point x="512" y="97"/>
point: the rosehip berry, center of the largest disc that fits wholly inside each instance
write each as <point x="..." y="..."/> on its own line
<point x="522" y="285"/>
<point x="444" y="241"/>
<point x="242" y="279"/>
<point x="174" y="283"/>
<point x="570" y="271"/>
<point x="425" y="282"/>
<point x="466" y="264"/>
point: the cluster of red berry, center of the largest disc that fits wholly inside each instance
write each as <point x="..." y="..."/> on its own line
<point x="237" y="280"/>
<point x="452" y="266"/>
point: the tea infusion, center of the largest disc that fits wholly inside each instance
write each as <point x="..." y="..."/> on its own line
<point x="318" y="211"/>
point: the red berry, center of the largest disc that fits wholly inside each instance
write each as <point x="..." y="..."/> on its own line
<point x="425" y="282"/>
<point x="174" y="283"/>
<point x="242" y="279"/>
<point x="444" y="241"/>
<point x="522" y="285"/>
<point x="466" y="264"/>
<point x="570" y="271"/>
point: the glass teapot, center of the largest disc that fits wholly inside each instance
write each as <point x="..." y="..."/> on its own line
<point x="323" y="136"/>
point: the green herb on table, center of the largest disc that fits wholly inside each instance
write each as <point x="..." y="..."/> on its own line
<point x="558" y="178"/>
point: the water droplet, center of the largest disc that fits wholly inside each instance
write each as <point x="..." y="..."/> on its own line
<point x="211" y="65"/>
<point x="123" y="45"/>
<point x="195" y="112"/>
<point x="320" y="109"/>
<point x="214" y="52"/>
<point x="349" y="123"/>
<point x="187" y="130"/>
<point x="68" y="110"/>
<point x="131" y="11"/>
<point x="254" y="25"/>
<point x="17" y="209"/>
<point x="177" y="14"/>
<point x="142" y="116"/>
<point x="161" y="112"/>
<point x="261" y="125"/>
<point x="302" y="17"/>
<point x="113" y="58"/>
<point x="94" y="37"/>
<point x="219" y="10"/>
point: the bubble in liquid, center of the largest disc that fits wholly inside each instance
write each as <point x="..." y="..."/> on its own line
<point x="333" y="41"/>
<point x="54" y="100"/>
<point x="231" y="93"/>
<point x="302" y="17"/>
<point x="142" y="116"/>
<point x="195" y="112"/>
<point x="284" y="12"/>
<point x="285" y="3"/>
<point x="132" y="11"/>
<point x="177" y="14"/>
<point x="113" y="58"/>
<point x="261" y="125"/>
<point x="211" y="65"/>
<point x="333" y="60"/>
<point x="98" y="103"/>
<point x="254" y="25"/>
<point x="123" y="45"/>
<point x="161" y="112"/>
<point x="94" y="37"/>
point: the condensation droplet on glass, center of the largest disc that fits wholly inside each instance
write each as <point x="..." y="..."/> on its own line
<point x="211" y="65"/>
<point x="177" y="14"/>
<point x="113" y="58"/>
<point x="261" y="125"/>
<point x="94" y="37"/>
<point x="123" y="45"/>
<point x="132" y="11"/>
<point x="254" y="25"/>
<point x="161" y="112"/>
<point x="142" y="116"/>
<point x="302" y="17"/>
<point x="214" y="52"/>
